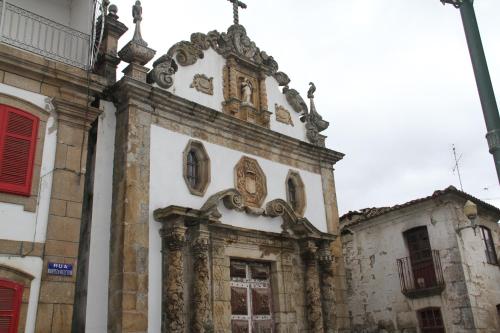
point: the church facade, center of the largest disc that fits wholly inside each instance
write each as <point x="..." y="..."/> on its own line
<point x="205" y="198"/>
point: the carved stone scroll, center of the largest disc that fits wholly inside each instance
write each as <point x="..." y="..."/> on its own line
<point x="313" y="293"/>
<point x="326" y="261"/>
<point x="202" y="321"/>
<point x="231" y="198"/>
<point x="173" y="281"/>
<point x="282" y="115"/>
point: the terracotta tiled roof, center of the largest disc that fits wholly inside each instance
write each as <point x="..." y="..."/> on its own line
<point x="354" y="217"/>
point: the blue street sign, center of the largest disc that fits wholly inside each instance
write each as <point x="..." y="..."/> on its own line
<point x="60" y="269"/>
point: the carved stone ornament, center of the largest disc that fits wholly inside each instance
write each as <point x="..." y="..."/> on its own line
<point x="231" y="198"/>
<point x="234" y="42"/>
<point x="295" y="100"/>
<point x="203" y="84"/>
<point x="137" y="50"/>
<point x="314" y="122"/>
<point x="250" y="181"/>
<point x="282" y="78"/>
<point x="282" y="115"/>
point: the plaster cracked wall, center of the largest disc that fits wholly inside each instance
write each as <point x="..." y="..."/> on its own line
<point x="373" y="286"/>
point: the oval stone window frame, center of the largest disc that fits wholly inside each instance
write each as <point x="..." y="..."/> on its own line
<point x="300" y="193"/>
<point x="203" y="168"/>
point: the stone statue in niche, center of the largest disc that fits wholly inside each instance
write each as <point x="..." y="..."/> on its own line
<point x="246" y="92"/>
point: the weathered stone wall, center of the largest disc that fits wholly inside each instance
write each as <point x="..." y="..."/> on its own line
<point x="67" y="90"/>
<point x="373" y="285"/>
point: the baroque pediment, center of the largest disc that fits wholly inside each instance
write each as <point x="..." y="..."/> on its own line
<point x="235" y="42"/>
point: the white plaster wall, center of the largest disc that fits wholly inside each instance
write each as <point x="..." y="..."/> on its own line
<point x="374" y="291"/>
<point x="212" y="65"/>
<point x="76" y="14"/>
<point x="275" y="96"/>
<point x="98" y="274"/>
<point x="167" y="187"/>
<point x="81" y="15"/>
<point x="33" y="266"/>
<point x="15" y="223"/>
<point x="483" y="279"/>
<point x="56" y="10"/>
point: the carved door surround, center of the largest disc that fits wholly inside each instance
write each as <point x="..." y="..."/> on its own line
<point x="299" y="259"/>
<point x="236" y="73"/>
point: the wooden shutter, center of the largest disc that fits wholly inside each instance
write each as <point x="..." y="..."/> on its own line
<point x="10" y="305"/>
<point x="18" y="135"/>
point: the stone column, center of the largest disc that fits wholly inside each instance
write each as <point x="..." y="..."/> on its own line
<point x="202" y="319"/>
<point x="129" y="243"/>
<point x="326" y="261"/>
<point x="173" y="316"/>
<point x="313" y="295"/>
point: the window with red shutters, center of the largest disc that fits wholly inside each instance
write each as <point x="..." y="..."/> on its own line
<point x="10" y="305"/>
<point x="18" y="135"/>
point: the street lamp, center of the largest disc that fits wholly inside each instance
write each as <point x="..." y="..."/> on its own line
<point x="483" y="80"/>
<point x="470" y="210"/>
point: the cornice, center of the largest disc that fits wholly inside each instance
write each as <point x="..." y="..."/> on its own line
<point x="168" y="106"/>
<point x="48" y="71"/>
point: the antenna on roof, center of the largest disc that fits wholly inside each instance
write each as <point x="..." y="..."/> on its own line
<point x="457" y="166"/>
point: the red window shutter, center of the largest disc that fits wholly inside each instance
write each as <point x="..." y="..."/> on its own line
<point x="11" y="294"/>
<point x="18" y="135"/>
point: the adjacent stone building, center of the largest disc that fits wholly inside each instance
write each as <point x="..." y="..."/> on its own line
<point x="197" y="195"/>
<point x="429" y="265"/>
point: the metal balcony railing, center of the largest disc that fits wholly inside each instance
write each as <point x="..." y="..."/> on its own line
<point x="32" y="32"/>
<point x="421" y="278"/>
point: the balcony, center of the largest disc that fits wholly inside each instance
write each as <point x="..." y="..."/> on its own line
<point x="32" y="32"/>
<point x="421" y="278"/>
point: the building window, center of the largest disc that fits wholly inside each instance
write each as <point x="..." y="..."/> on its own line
<point x="430" y="320"/>
<point x="18" y="135"/>
<point x="10" y="305"/>
<point x="251" y="299"/>
<point x="491" y="255"/>
<point x="196" y="168"/>
<point x="295" y="192"/>
<point x="192" y="168"/>
<point x="292" y="194"/>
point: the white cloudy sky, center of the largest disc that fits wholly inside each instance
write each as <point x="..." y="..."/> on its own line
<point x="394" y="79"/>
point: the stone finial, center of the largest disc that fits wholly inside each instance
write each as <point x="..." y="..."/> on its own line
<point x="113" y="10"/>
<point x="136" y="52"/>
<point x="137" y="15"/>
<point x="314" y="122"/>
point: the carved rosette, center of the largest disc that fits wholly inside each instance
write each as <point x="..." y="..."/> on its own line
<point x="250" y="181"/>
<point x="201" y="283"/>
<point x="173" y="283"/>
<point x="313" y="291"/>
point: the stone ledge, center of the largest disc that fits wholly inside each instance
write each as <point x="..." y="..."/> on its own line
<point x="21" y="248"/>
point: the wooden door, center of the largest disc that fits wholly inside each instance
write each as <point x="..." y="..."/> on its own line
<point x="422" y="263"/>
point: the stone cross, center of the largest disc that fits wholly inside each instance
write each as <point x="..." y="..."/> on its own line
<point x="236" y="4"/>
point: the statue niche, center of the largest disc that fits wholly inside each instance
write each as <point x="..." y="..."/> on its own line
<point x="245" y="95"/>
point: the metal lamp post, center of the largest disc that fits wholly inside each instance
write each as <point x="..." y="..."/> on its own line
<point x="483" y="80"/>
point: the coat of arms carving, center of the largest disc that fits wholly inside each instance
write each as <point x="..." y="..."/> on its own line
<point x="203" y="84"/>
<point x="250" y="181"/>
<point x="282" y="115"/>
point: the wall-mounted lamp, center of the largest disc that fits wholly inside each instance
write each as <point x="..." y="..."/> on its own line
<point x="470" y="210"/>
